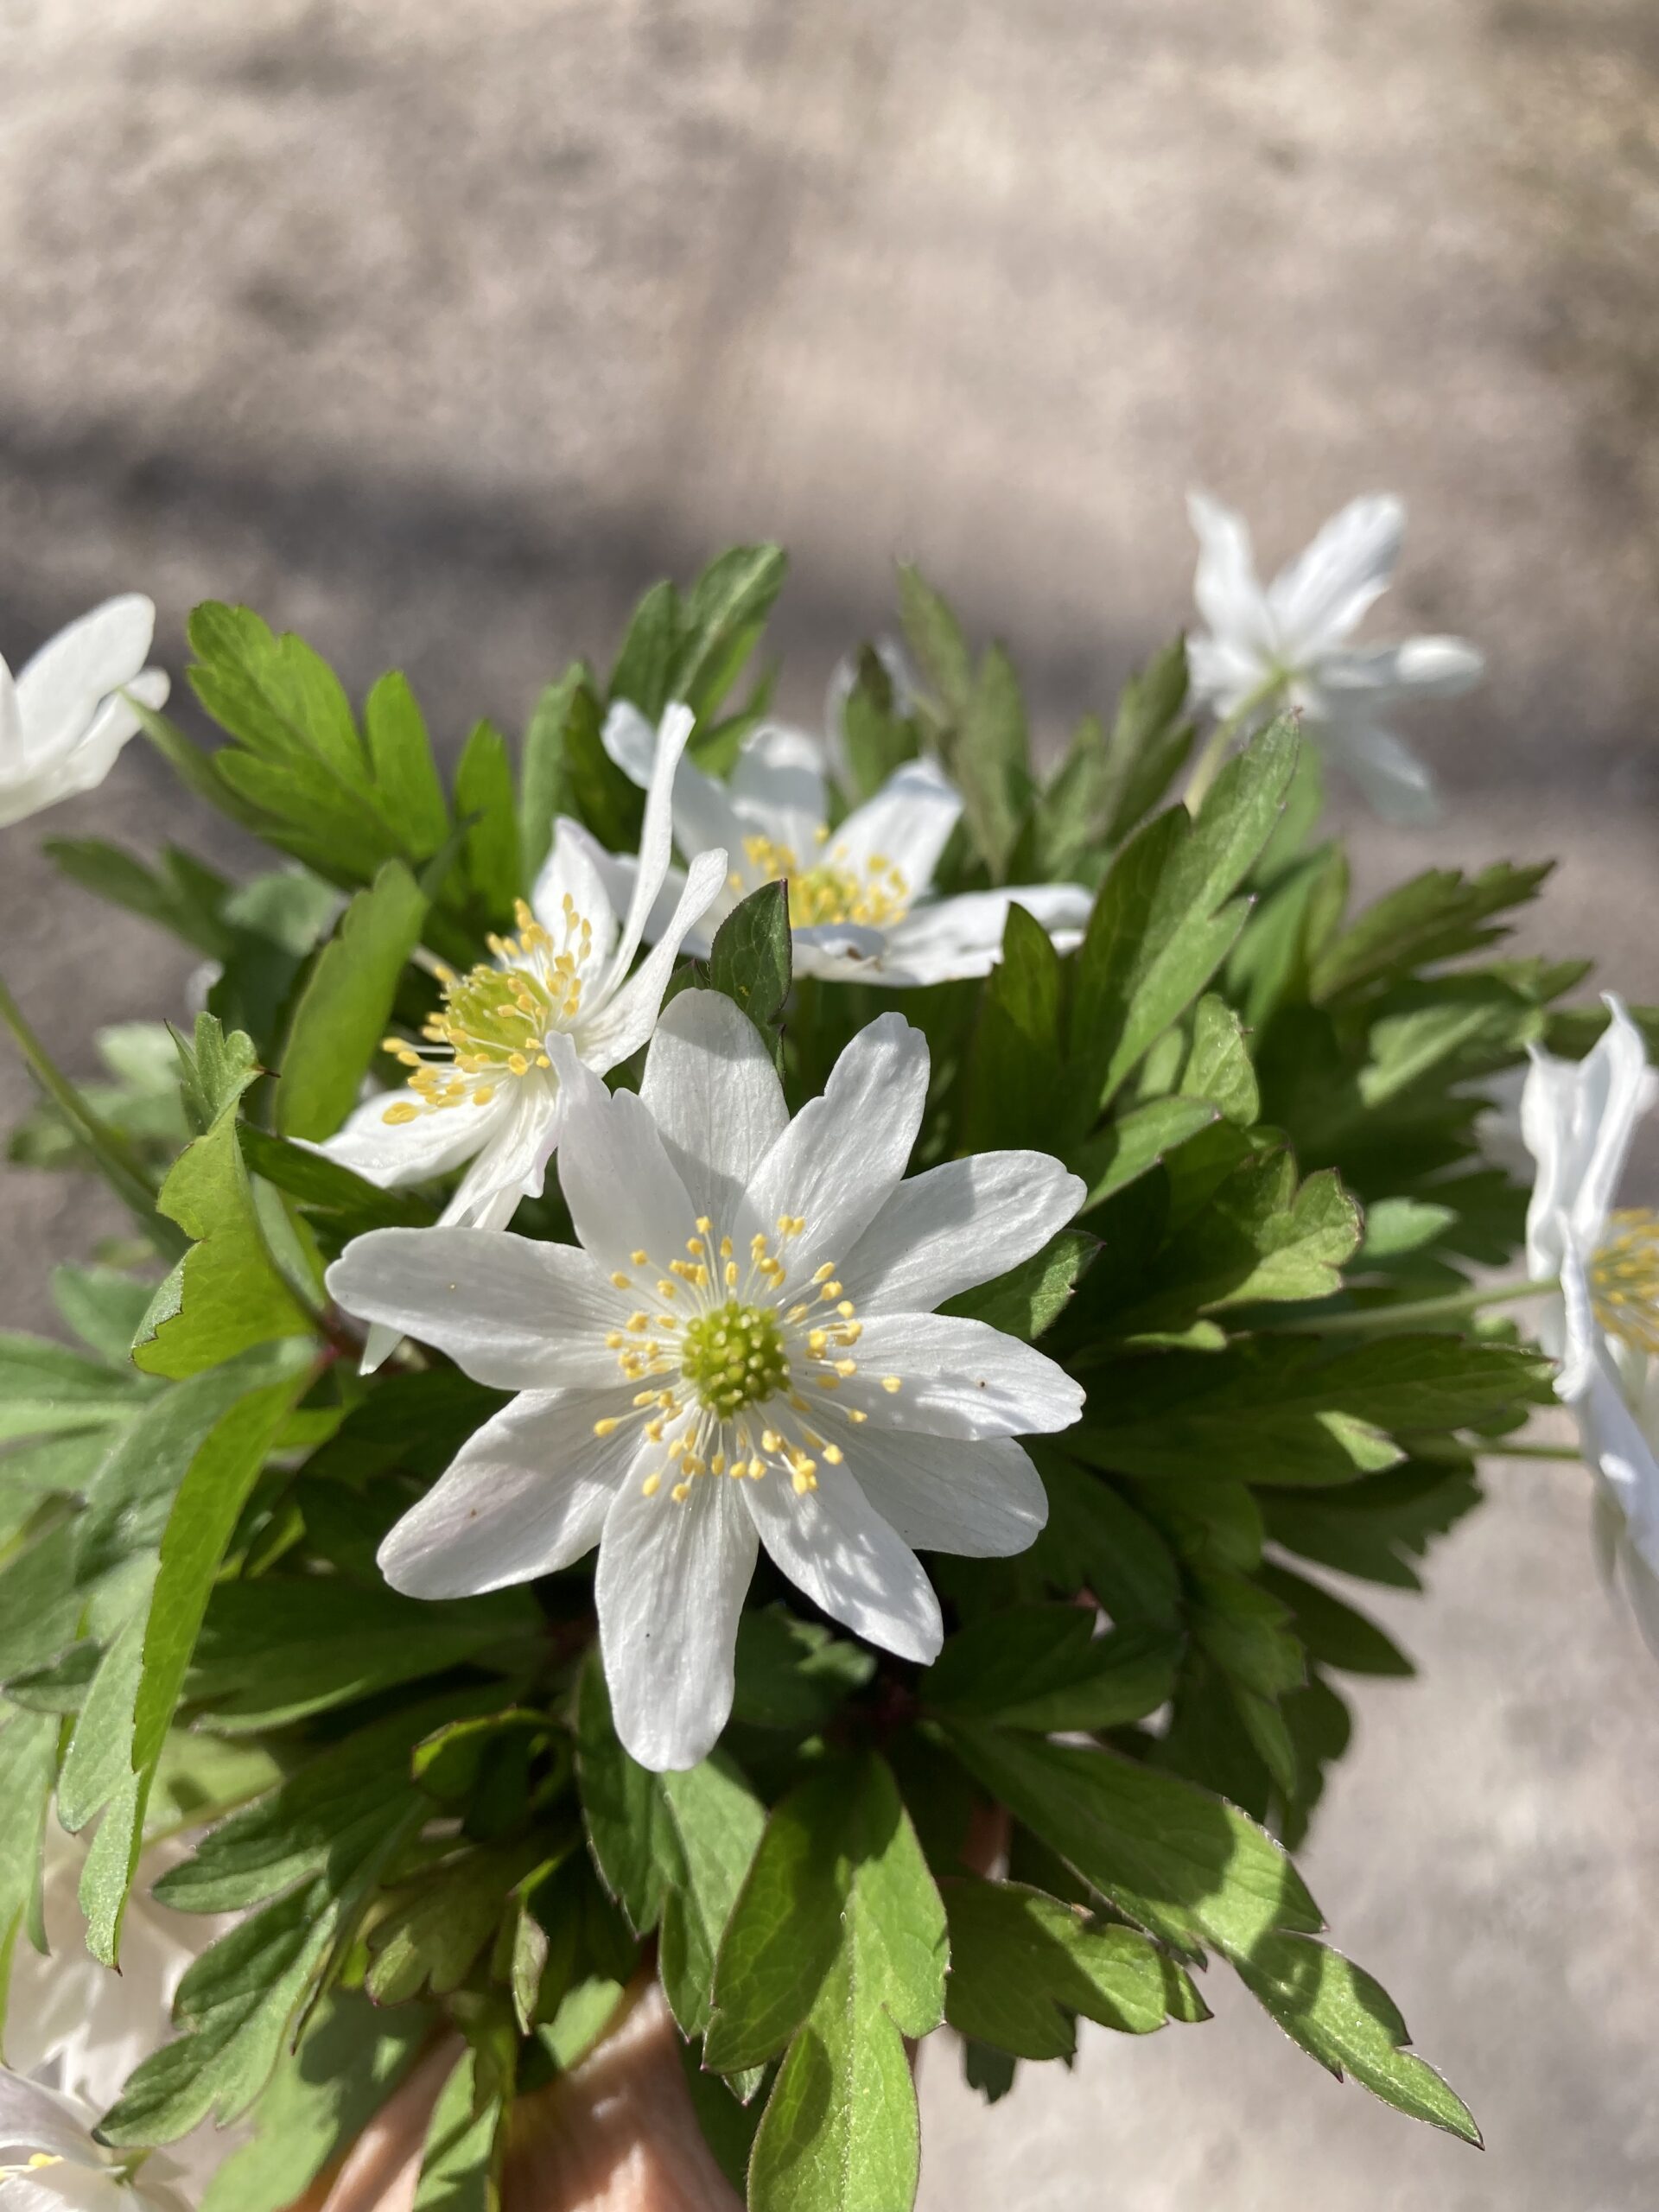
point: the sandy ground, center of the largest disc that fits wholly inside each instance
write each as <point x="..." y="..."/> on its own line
<point x="437" y="333"/>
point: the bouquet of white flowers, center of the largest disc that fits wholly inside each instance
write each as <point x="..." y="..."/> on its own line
<point x="742" y="1361"/>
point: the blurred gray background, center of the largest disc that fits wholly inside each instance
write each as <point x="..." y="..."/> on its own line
<point x="436" y="331"/>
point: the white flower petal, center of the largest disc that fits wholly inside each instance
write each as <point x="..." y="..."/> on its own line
<point x="671" y="1579"/>
<point x="34" y="2118"/>
<point x="630" y="741"/>
<point x="578" y="867"/>
<point x="513" y="1311"/>
<point x="1422" y="668"/>
<point x="714" y="1094"/>
<point x="776" y="783"/>
<point x="619" y="1184"/>
<point x="525" y="1495"/>
<point x="512" y="1163"/>
<point x="832" y="1543"/>
<point x="906" y="824"/>
<point x="625" y="1018"/>
<point x="393" y="1153"/>
<point x="963" y="1223"/>
<point x="1229" y="596"/>
<point x="60" y="689"/>
<point x="656" y="839"/>
<point x="1224" y="673"/>
<point x="1320" y="597"/>
<point x="1395" y="783"/>
<point x="981" y="1499"/>
<point x="843" y="951"/>
<point x="1578" y="1120"/>
<point x="957" y="1378"/>
<point x="963" y="936"/>
<point x="840" y="1158"/>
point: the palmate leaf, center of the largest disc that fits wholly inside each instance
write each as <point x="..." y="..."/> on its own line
<point x="836" y="1949"/>
<point x="1437" y="916"/>
<point x="1281" y="1410"/>
<point x="1043" y="1668"/>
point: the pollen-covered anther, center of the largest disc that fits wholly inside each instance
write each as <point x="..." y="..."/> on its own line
<point x="1624" y="1279"/>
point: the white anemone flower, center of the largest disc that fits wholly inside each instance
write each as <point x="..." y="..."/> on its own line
<point x="484" y="1082"/>
<point x="62" y="719"/>
<point x="50" y="2160"/>
<point x="861" y="903"/>
<point x="1578" y="1118"/>
<point x="1287" y="646"/>
<point x="742" y="1349"/>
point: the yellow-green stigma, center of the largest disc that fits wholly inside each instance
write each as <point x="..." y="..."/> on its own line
<point x="494" y="1018"/>
<point x="733" y="1356"/>
<point x="1624" y="1279"/>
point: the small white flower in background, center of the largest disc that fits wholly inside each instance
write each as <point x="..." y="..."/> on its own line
<point x="484" y="1085"/>
<point x="61" y="722"/>
<point x="1287" y="646"/>
<point x="861" y="904"/>
<point x="50" y="2160"/>
<point x="1578" y="1118"/>
<point x="743" y="1347"/>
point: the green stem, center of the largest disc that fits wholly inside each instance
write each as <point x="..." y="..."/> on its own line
<point x="115" y="1156"/>
<point x="1499" y="1450"/>
<point x="1454" y="1306"/>
<point x="1208" y="765"/>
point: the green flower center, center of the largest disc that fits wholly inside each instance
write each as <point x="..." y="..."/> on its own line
<point x="733" y="1356"/>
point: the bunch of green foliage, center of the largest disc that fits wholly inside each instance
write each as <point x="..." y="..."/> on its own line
<point x="420" y="1814"/>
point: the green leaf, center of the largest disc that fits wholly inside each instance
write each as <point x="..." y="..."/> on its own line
<point x="344" y="1010"/>
<point x="1023" y="1964"/>
<point x="878" y="739"/>
<point x="991" y="760"/>
<point x="323" y="1187"/>
<point x="720" y="620"/>
<point x="750" y="960"/>
<point x="717" y="1820"/>
<point x="1437" y="916"/>
<point x="791" y="1673"/>
<point x="1262" y="1237"/>
<point x="215" y="1486"/>
<point x="1218" y="1064"/>
<point x="1149" y="743"/>
<point x="1342" y="2017"/>
<point x="542" y="777"/>
<point x="629" y="1826"/>
<point x="29" y="1746"/>
<point x="1186" y="1866"/>
<point x="934" y="635"/>
<point x="400" y="757"/>
<point x="1374" y="1528"/>
<point x="1031" y="1297"/>
<point x="1043" y="1668"/>
<point x="1167" y="917"/>
<point x="1276" y="1410"/>
<point x="1017" y="1077"/>
<point x="837" y="1947"/>
<point x="457" y="2163"/>
<point x="271" y="1652"/>
<point x="490" y="851"/>
<point x="226" y="1293"/>
<point x="104" y="1306"/>
<point x="349" y="2060"/>
<point x="1097" y="1540"/>
<point x="429" y="1933"/>
<point x="1136" y="1142"/>
<point x="44" y="1388"/>
<point x="1336" y="1633"/>
<point x="180" y="894"/>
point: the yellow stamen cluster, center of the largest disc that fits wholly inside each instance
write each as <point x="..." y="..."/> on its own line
<point x="1624" y="1279"/>
<point x="833" y="890"/>
<point x="730" y="1374"/>
<point x="495" y="1020"/>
